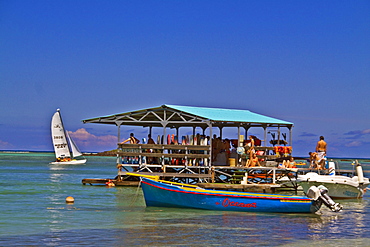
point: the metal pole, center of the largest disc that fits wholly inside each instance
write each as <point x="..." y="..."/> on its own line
<point x="119" y="133"/>
<point x="119" y="158"/>
<point x="238" y="135"/>
<point x="210" y="143"/>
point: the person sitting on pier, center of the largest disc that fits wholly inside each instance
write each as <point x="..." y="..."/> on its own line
<point x="289" y="163"/>
<point x="253" y="160"/>
<point x="110" y="183"/>
<point x="316" y="162"/>
<point x="132" y="139"/>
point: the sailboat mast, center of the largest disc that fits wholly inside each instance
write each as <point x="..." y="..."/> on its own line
<point x="65" y="133"/>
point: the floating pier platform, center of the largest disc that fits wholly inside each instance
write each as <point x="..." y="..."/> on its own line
<point x="103" y="181"/>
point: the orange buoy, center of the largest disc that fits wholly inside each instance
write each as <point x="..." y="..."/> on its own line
<point x="70" y="199"/>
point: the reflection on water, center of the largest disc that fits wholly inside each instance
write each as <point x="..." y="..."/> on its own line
<point x="34" y="213"/>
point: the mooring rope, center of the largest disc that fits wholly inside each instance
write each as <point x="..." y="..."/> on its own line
<point x="136" y="194"/>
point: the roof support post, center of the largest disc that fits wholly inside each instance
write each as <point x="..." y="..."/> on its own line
<point x="246" y="132"/>
<point x="164" y="124"/>
<point x="119" y="134"/>
<point x="119" y="159"/>
<point x="119" y="123"/>
<point x="204" y="130"/>
<point x="264" y="135"/>
<point x="290" y="136"/>
<point x="238" y="135"/>
<point x="210" y="143"/>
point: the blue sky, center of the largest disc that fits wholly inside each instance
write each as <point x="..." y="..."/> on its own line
<point x="303" y="62"/>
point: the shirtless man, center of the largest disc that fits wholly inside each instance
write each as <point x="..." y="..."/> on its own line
<point x="150" y="139"/>
<point x="321" y="148"/>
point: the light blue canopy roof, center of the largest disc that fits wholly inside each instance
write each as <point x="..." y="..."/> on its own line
<point x="177" y="115"/>
<point x="228" y="115"/>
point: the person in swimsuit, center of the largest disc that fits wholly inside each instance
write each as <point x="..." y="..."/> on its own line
<point x="149" y="159"/>
<point x="250" y="145"/>
<point x="150" y="139"/>
<point x="226" y="148"/>
<point x="321" y="148"/>
<point x="316" y="162"/>
<point x="321" y="152"/>
<point x="132" y="139"/>
<point x="289" y="164"/>
<point x="253" y="160"/>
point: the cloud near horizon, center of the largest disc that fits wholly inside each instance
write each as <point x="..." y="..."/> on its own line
<point x="358" y="132"/>
<point x="307" y="134"/>
<point x="5" y="145"/>
<point x="354" y="144"/>
<point x="85" y="139"/>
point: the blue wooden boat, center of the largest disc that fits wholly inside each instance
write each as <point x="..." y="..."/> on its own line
<point x="158" y="193"/>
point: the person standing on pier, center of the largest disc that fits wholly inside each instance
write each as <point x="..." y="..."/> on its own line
<point x="132" y="139"/>
<point x="150" y="139"/>
<point x="321" y="148"/>
<point x="250" y="145"/>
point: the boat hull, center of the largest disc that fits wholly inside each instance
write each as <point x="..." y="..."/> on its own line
<point x="340" y="187"/>
<point x="336" y="191"/>
<point x="158" y="194"/>
<point x="71" y="162"/>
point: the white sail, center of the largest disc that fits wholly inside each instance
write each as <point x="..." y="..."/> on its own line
<point x="59" y="138"/>
<point x="75" y="151"/>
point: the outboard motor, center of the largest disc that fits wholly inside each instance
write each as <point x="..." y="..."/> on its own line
<point x="321" y="194"/>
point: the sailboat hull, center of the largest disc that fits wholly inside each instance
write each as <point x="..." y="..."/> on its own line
<point x="71" y="162"/>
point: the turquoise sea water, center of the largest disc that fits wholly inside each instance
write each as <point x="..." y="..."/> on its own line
<point x="34" y="213"/>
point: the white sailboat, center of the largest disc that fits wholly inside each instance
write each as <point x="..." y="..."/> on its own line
<point x="63" y="143"/>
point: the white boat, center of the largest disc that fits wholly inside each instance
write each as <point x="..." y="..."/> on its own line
<point x="340" y="187"/>
<point x="63" y="144"/>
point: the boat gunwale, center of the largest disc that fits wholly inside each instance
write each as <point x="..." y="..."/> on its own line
<point x="226" y="193"/>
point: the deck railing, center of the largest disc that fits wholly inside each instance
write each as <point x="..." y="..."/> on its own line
<point x="171" y="154"/>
